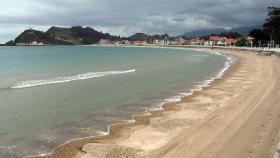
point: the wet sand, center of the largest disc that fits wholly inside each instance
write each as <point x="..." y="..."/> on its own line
<point x="236" y="116"/>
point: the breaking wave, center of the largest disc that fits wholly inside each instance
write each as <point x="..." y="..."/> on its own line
<point x="84" y="76"/>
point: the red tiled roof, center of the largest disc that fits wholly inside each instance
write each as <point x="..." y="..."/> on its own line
<point x="229" y="40"/>
<point x="197" y="40"/>
<point x="215" y="38"/>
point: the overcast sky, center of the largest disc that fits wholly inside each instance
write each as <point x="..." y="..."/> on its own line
<point x="125" y="17"/>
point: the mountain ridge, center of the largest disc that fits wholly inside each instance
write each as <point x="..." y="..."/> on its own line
<point x="75" y="35"/>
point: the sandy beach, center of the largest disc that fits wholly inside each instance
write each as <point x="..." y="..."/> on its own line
<point x="236" y="116"/>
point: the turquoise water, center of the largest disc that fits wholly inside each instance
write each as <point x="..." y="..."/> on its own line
<point x="52" y="94"/>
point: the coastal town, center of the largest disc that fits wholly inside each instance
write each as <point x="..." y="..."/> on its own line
<point x="242" y="42"/>
<point x="165" y="40"/>
<point x="212" y="41"/>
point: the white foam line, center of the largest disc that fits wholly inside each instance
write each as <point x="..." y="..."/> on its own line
<point x="102" y="133"/>
<point x="201" y="85"/>
<point x="84" y="76"/>
<point x="8" y="147"/>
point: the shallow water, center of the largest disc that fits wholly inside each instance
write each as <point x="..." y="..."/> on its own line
<point x="52" y="94"/>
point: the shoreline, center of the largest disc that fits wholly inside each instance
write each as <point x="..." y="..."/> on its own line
<point x="120" y="130"/>
<point x="137" y="119"/>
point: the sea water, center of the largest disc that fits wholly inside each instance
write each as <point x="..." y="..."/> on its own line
<point x="56" y="93"/>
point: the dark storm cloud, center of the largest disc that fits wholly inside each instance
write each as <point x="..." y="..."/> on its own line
<point x="125" y="17"/>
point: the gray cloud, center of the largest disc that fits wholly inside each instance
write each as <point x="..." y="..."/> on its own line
<point x="124" y="17"/>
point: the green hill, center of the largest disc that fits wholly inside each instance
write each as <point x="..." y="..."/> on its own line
<point x="32" y="35"/>
<point x="63" y="36"/>
<point x="139" y="37"/>
<point x="60" y="34"/>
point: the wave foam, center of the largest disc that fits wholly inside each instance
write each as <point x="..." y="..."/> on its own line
<point x="200" y="85"/>
<point x="84" y="76"/>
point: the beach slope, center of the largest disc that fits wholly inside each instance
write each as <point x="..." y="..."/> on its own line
<point x="236" y="116"/>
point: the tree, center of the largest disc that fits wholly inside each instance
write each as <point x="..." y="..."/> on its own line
<point x="272" y="23"/>
<point x="233" y="35"/>
<point x="259" y="35"/>
<point x="242" y="42"/>
<point x="9" y="43"/>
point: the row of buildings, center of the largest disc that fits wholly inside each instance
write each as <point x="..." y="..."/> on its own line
<point x="33" y="43"/>
<point x="212" y="41"/>
<point x="218" y="41"/>
<point x="136" y="42"/>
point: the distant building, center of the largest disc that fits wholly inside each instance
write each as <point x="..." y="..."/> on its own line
<point x="23" y="44"/>
<point x="181" y="41"/>
<point x="221" y="41"/>
<point x="250" y="40"/>
<point x="123" y="42"/>
<point x="104" y="42"/>
<point x="126" y="42"/>
<point x="162" y="42"/>
<point x="177" y="41"/>
<point x="138" y="43"/>
<point x="216" y="41"/>
<point x="34" y="43"/>
<point x="229" y="41"/>
<point x="156" y="41"/>
<point x="197" y="41"/>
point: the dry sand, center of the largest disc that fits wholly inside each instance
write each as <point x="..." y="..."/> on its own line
<point x="238" y="116"/>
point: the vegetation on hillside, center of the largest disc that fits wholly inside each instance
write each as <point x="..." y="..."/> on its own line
<point x="225" y="34"/>
<point x="32" y="35"/>
<point x="138" y="37"/>
<point x="59" y="34"/>
<point x="147" y="38"/>
<point x="88" y="35"/>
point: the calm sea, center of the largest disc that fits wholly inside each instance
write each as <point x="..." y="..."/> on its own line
<point x="52" y="94"/>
